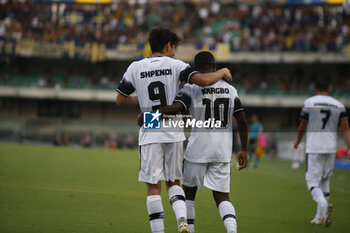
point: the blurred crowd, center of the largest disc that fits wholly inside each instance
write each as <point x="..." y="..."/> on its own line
<point x="297" y="82"/>
<point x="246" y="27"/>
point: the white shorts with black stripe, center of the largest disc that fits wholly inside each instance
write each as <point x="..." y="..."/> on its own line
<point x="318" y="166"/>
<point x="160" y="161"/>
<point x="215" y="176"/>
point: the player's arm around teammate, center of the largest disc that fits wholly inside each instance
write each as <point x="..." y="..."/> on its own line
<point x="199" y="79"/>
<point x="188" y="75"/>
<point x="207" y="79"/>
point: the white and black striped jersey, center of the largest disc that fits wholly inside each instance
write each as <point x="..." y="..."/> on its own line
<point x="156" y="81"/>
<point x="219" y="101"/>
<point x="322" y="114"/>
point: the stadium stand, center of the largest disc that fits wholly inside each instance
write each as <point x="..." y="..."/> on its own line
<point x="61" y="60"/>
<point x="244" y="25"/>
<point x="268" y="79"/>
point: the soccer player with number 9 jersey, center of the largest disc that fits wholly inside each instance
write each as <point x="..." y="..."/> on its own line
<point x="156" y="80"/>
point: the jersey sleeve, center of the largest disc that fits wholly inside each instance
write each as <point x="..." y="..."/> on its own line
<point x="304" y="115"/>
<point x="186" y="74"/>
<point x="126" y="87"/>
<point x="343" y="115"/>
<point x="237" y="106"/>
<point x="184" y="97"/>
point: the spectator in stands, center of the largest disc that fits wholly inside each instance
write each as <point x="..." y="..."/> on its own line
<point x="42" y="82"/>
<point x="93" y="80"/>
<point x="112" y="141"/>
<point x="272" y="145"/>
<point x="77" y="80"/>
<point x="5" y="78"/>
<point x="65" y="80"/>
<point x="63" y="140"/>
<point x="130" y="142"/>
<point x="86" y="140"/>
<point x="50" y="82"/>
<point x="257" y="27"/>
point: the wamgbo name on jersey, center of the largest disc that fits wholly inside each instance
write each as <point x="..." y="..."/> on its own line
<point x="153" y="120"/>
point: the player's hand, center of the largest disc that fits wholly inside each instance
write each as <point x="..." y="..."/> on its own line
<point x="242" y="160"/>
<point x="348" y="153"/>
<point x="227" y="74"/>
<point x="140" y="119"/>
<point x="296" y="145"/>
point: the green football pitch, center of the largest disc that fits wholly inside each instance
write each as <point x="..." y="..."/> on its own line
<point x="47" y="189"/>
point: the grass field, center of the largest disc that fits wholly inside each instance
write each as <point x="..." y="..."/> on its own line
<point x="48" y="190"/>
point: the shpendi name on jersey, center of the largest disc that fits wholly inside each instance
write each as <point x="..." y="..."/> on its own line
<point x="150" y="74"/>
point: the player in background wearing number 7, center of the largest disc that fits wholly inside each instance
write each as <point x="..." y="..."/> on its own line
<point x="208" y="153"/>
<point x="156" y="80"/>
<point x="320" y="117"/>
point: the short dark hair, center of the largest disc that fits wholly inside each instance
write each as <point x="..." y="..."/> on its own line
<point x="322" y="85"/>
<point x="204" y="62"/>
<point x="159" y="37"/>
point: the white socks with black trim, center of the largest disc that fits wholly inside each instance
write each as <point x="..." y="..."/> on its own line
<point x="319" y="198"/>
<point x="156" y="213"/>
<point x="177" y="201"/>
<point x="324" y="185"/>
<point x="228" y="215"/>
<point x="191" y="214"/>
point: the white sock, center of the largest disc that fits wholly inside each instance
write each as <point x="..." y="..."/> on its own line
<point x="156" y="213"/>
<point x="325" y="188"/>
<point x="228" y="215"/>
<point x="177" y="201"/>
<point x="191" y="214"/>
<point x="318" y="197"/>
<point x="319" y="213"/>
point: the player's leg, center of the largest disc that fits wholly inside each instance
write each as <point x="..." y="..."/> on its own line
<point x="151" y="172"/>
<point x="226" y="210"/>
<point x="325" y="187"/>
<point x="155" y="207"/>
<point x="193" y="179"/>
<point x="326" y="193"/>
<point x="177" y="201"/>
<point x="190" y="193"/>
<point x="217" y="178"/>
<point x="173" y="173"/>
<point x="313" y="177"/>
<point x="327" y="172"/>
